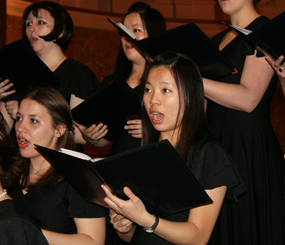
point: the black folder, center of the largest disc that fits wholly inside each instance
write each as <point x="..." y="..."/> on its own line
<point x="189" y="40"/>
<point x="113" y="105"/>
<point x="24" y="69"/>
<point x="155" y="173"/>
<point x="269" y="38"/>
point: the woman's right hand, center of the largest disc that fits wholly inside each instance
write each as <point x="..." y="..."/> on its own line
<point x="4" y="86"/>
<point x="93" y="133"/>
<point x="120" y="222"/>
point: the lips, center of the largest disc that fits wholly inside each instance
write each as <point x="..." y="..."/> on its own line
<point x="22" y="142"/>
<point x="157" y="117"/>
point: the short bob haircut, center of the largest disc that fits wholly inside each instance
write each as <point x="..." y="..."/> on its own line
<point x="188" y="79"/>
<point x="9" y="171"/>
<point x="60" y="113"/>
<point x="153" y="22"/>
<point x="63" y="23"/>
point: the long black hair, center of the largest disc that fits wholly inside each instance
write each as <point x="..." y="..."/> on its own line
<point x="153" y="22"/>
<point x="188" y="79"/>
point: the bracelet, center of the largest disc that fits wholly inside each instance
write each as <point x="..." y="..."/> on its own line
<point x="92" y="143"/>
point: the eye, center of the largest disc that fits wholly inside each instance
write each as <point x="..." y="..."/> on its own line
<point x="28" y="24"/>
<point x="18" y="118"/>
<point x="40" y="22"/>
<point x="136" y="30"/>
<point x="166" y="90"/>
<point x="147" y="90"/>
<point x="34" y="120"/>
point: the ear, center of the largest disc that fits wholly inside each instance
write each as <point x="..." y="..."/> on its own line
<point x="60" y="130"/>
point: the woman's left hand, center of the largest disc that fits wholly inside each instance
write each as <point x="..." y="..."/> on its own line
<point x="133" y="209"/>
<point x="134" y="128"/>
<point x="280" y="70"/>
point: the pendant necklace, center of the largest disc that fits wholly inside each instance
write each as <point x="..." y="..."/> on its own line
<point x="38" y="170"/>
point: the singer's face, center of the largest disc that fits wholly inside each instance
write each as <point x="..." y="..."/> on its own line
<point x="134" y="23"/>
<point x="37" y="27"/>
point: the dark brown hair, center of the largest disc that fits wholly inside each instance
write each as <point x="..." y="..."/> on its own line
<point x="60" y="113"/>
<point x="9" y="172"/>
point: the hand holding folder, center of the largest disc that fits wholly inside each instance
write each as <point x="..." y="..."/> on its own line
<point x="154" y="173"/>
<point x="112" y="105"/>
<point x="188" y="40"/>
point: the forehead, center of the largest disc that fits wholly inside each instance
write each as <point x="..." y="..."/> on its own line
<point x="29" y="106"/>
<point x="133" y="19"/>
<point x="160" y="75"/>
<point x="41" y="13"/>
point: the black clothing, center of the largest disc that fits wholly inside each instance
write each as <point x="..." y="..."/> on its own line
<point x="212" y="168"/>
<point x="76" y="79"/>
<point x="55" y="207"/>
<point x="257" y="217"/>
<point x="125" y="141"/>
<point x="17" y="226"/>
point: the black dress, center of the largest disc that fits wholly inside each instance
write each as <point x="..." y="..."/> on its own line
<point x="257" y="217"/>
<point x="125" y="141"/>
<point x="213" y="168"/>
<point x="55" y="207"/>
<point x="76" y="79"/>
<point x="17" y="226"/>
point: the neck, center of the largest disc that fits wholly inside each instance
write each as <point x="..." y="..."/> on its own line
<point x="53" y="58"/>
<point x="244" y="17"/>
<point x="39" y="165"/>
<point x="135" y="76"/>
<point x="172" y="137"/>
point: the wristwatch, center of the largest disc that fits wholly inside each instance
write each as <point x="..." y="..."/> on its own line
<point x="152" y="228"/>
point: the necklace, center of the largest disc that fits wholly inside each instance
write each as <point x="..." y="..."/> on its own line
<point x="38" y="170"/>
<point x="4" y="193"/>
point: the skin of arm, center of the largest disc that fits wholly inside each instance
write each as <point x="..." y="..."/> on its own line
<point x="89" y="231"/>
<point x="276" y="65"/>
<point x="8" y="119"/>
<point x="197" y="230"/>
<point x="245" y="96"/>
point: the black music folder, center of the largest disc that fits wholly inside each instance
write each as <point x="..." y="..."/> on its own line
<point x="155" y="173"/>
<point x="113" y="105"/>
<point x="269" y="38"/>
<point x="189" y="40"/>
<point x="24" y="69"/>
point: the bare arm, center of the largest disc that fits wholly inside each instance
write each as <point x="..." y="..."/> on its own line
<point x="197" y="230"/>
<point x="245" y="96"/>
<point x="8" y="119"/>
<point x="89" y="231"/>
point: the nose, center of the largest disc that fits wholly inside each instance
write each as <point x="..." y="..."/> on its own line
<point x="20" y="126"/>
<point x="32" y="27"/>
<point x="155" y="98"/>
